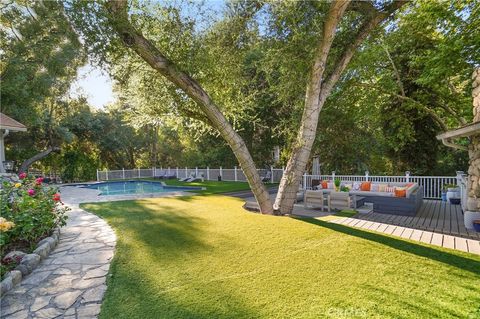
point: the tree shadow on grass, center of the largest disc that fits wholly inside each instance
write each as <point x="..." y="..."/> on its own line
<point x="468" y="264"/>
<point x="162" y="236"/>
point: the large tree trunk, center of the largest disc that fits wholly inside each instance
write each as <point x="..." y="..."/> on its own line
<point x="27" y="163"/>
<point x="148" y="52"/>
<point x="318" y="90"/>
<point x="474" y="150"/>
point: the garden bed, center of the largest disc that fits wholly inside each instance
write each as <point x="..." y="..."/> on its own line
<point x="31" y="215"/>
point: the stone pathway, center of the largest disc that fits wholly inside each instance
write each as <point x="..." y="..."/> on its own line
<point x="71" y="281"/>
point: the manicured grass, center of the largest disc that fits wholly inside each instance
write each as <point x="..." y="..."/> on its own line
<point x="214" y="187"/>
<point x="342" y="213"/>
<point x="205" y="257"/>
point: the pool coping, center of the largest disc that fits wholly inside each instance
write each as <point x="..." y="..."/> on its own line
<point x="181" y="190"/>
<point x="78" y="195"/>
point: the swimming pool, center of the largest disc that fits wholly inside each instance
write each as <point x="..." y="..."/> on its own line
<point x="136" y="187"/>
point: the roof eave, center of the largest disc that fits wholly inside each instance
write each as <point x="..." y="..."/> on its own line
<point x="13" y="128"/>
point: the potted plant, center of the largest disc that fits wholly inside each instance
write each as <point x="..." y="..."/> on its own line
<point x="455" y="200"/>
<point x="476" y="225"/>
<point x="453" y="191"/>
<point x="444" y="191"/>
<point x="337" y="183"/>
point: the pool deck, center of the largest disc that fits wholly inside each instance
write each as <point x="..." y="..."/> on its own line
<point x="75" y="194"/>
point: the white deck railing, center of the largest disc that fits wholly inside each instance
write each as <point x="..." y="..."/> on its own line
<point x="463" y="184"/>
<point x="432" y="185"/>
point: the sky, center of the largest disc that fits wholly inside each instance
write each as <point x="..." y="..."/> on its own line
<point x="95" y="84"/>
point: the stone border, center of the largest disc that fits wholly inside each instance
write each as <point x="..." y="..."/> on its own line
<point x="29" y="262"/>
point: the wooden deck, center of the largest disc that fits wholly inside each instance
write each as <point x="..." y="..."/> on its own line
<point x="434" y="216"/>
<point x="436" y="223"/>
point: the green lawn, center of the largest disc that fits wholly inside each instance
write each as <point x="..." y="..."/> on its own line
<point x="205" y="257"/>
<point x="214" y="187"/>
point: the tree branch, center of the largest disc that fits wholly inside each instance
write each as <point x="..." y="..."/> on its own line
<point x="362" y="34"/>
<point x="27" y="163"/>
<point x="431" y="112"/>
<point x="133" y="39"/>
<point x="395" y="70"/>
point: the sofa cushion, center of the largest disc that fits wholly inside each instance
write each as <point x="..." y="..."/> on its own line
<point x="366" y="186"/>
<point x="400" y="192"/>
<point x="324" y="184"/>
<point x="390" y="189"/>
<point x="412" y="189"/>
<point x="356" y="186"/>
<point x="369" y="193"/>
<point x="382" y="187"/>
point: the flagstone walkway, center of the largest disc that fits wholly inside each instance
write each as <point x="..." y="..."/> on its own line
<point x="71" y="281"/>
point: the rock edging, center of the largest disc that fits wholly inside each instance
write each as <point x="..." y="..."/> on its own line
<point x="29" y="261"/>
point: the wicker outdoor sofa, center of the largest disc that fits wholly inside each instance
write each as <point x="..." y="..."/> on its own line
<point x="387" y="203"/>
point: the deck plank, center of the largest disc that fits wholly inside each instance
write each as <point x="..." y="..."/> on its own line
<point x="407" y="233"/>
<point x="416" y="235"/>
<point x="389" y="230"/>
<point x="434" y="216"/>
<point x="449" y="241"/>
<point x="398" y="231"/>
<point x="437" y="239"/>
<point x="461" y="244"/>
<point x="426" y="237"/>
<point x="382" y="228"/>
<point x="473" y="246"/>
<point x="374" y="226"/>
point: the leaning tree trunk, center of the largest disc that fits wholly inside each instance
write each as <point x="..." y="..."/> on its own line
<point x="318" y="90"/>
<point x="27" y="163"/>
<point x="147" y="51"/>
<point x="474" y="150"/>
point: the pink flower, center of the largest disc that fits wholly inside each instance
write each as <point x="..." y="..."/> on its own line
<point x="39" y="181"/>
<point x="22" y="176"/>
<point x="56" y="197"/>
<point x="31" y="192"/>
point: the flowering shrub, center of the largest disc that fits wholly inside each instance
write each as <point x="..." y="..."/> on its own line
<point x="30" y="211"/>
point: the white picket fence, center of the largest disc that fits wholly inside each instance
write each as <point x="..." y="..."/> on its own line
<point x="432" y="185"/>
<point x="211" y="174"/>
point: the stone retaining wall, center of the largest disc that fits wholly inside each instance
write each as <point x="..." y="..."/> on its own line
<point x="474" y="149"/>
<point x="28" y="261"/>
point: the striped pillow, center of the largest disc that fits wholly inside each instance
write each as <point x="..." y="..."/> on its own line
<point x="382" y="187"/>
<point x="389" y="189"/>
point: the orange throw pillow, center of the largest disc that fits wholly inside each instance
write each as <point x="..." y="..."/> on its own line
<point x="400" y="192"/>
<point x="366" y="186"/>
<point x="325" y="184"/>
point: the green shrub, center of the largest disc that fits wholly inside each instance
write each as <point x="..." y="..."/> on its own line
<point x="30" y="211"/>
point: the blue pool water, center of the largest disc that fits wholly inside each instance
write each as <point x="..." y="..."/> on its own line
<point x="136" y="187"/>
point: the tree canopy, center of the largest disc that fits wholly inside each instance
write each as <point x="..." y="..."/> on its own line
<point x="406" y="82"/>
